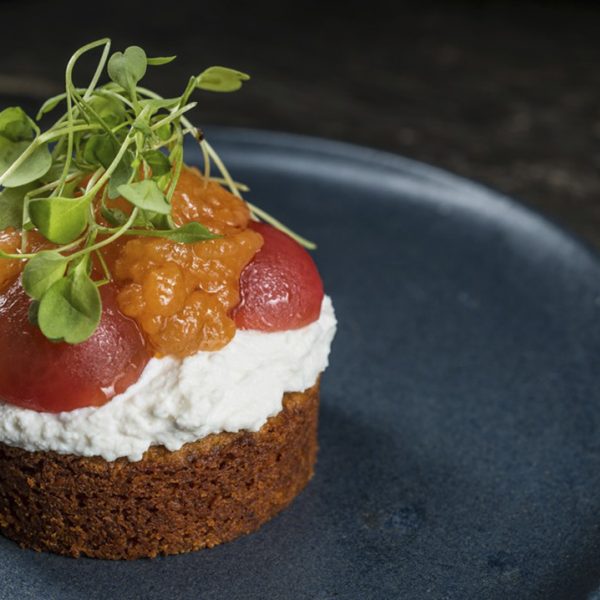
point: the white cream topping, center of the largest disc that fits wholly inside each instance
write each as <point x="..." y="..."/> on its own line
<point x="176" y="401"/>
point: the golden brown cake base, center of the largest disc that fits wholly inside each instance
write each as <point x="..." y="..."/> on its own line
<point x="211" y="491"/>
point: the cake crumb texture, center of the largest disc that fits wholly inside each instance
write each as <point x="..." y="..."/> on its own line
<point x="208" y="492"/>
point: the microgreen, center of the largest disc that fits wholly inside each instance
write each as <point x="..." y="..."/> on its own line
<point x="127" y="68"/>
<point x="122" y="173"/>
<point x="160" y="60"/>
<point x="42" y="271"/>
<point x="146" y="195"/>
<point x="71" y="308"/>
<point x="189" y="233"/>
<point x="15" y="125"/>
<point x="60" y="220"/>
<point x="11" y="206"/>
<point x="221" y="79"/>
<point x="34" y="166"/>
<point x="159" y="164"/>
<point x="100" y="150"/>
<point x="115" y="139"/>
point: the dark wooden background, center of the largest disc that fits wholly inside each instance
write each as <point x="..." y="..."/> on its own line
<point x="504" y="93"/>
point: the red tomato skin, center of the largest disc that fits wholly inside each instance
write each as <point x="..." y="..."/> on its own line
<point x="280" y="289"/>
<point x="38" y="374"/>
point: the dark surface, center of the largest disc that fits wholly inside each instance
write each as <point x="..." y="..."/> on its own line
<point x="505" y="93"/>
<point x="460" y="430"/>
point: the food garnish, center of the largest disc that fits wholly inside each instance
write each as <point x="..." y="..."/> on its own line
<point x="116" y="140"/>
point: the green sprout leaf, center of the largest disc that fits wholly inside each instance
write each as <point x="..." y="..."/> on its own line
<point x="156" y="104"/>
<point x="127" y="68"/>
<point x="146" y="195"/>
<point x="190" y="233"/>
<point x="16" y="126"/>
<point x="121" y="175"/>
<point x="33" y="167"/>
<point x="50" y="104"/>
<point x="60" y="220"/>
<point x="53" y="173"/>
<point x="143" y="127"/>
<point x="17" y="132"/>
<point x="158" y="162"/>
<point x="42" y="271"/>
<point x="114" y="216"/>
<point x="161" y="60"/>
<point x="100" y="149"/>
<point x="221" y="79"/>
<point x="71" y="308"/>
<point x="163" y="133"/>
<point x="109" y="109"/>
<point x="11" y="206"/>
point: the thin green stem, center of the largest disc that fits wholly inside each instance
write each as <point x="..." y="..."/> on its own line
<point x="27" y="256"/>
<point x="109" y="240"/>
<point x="88" y="108"/>
<point x="105" y="269"/>
<point x="177" y="169"/>
<point x="93" y="179"/>
<point x="16" y="256"/>
<point x="206" y="159"/>
<point x="52" y="185"/>
<point x="258" y="212"/>
<point x="173" y="116"/>
<point x="189" y="88"/>
<point x="98" y="72"/>
<point x="267" y="218"/>
<point x="242" y="187"/>
<point x="52" y="135"/>
<point x="115" y="95"/>
<point x="126" y="143"/>
<point x="72" y="245"/>
<point x="70" y="88"/>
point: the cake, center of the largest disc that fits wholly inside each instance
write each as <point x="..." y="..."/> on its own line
<point x="161" y="341"/>
<point x="208" y="492"/>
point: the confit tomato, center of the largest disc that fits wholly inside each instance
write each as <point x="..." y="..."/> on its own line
<point x="280" y="288"/>
<point x="45" y="376"/>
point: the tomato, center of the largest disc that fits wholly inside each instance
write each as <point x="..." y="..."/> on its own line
<point x="53" y="377"/>
<point x="281" y="287"/>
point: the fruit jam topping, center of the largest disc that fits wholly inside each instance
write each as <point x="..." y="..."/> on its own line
<point x="182" y="295"/>
<point x="42" y="375"/>
<point x="196" y="199"/>
<point x="281" y="288"/>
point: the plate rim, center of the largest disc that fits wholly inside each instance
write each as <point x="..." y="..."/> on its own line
<point x="496" y="203"/>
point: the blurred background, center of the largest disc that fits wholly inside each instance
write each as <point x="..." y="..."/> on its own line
<point x="505" y="93"/>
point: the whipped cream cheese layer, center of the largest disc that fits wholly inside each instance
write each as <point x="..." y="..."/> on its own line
<point x="177" y="401"/>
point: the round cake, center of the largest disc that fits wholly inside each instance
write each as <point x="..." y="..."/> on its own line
<point x="162" y="341"/>
<point x="208" y="492"/>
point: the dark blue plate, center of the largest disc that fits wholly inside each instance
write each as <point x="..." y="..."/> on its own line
<point x="460" y="423"/>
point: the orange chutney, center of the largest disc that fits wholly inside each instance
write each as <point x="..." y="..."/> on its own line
<point x="181" y="295"/>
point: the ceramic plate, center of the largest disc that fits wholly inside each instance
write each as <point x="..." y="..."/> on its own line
<point x="460" y="422"/>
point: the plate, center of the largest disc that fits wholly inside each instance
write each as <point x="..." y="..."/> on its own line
<point x="460" y="423"/>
